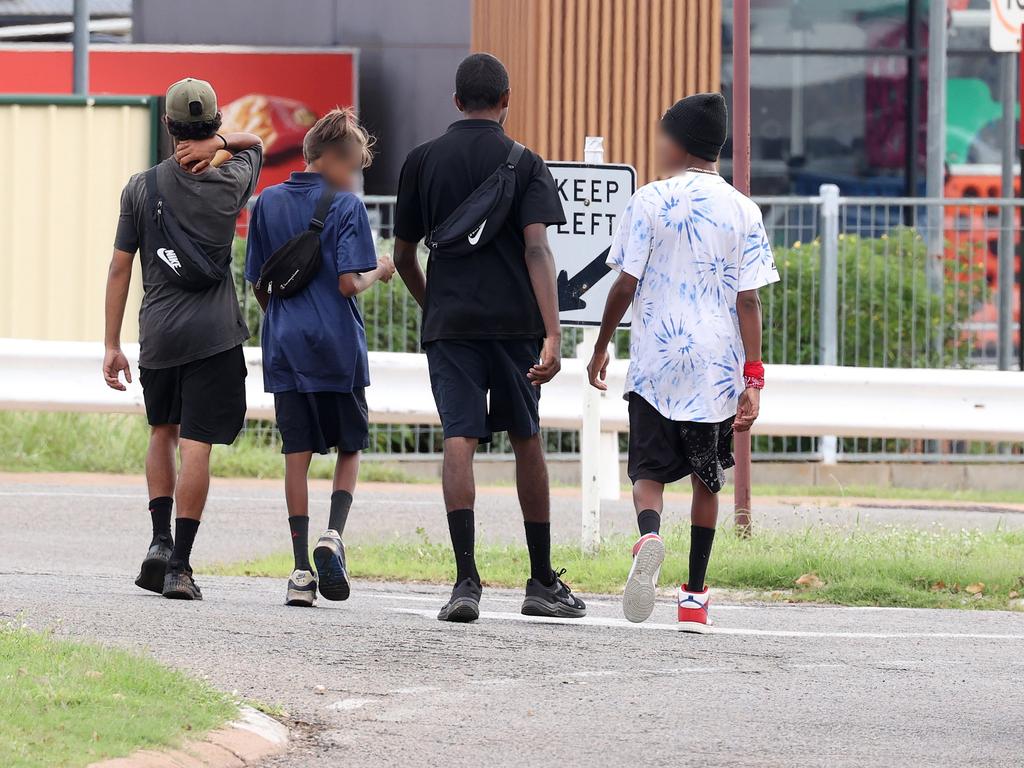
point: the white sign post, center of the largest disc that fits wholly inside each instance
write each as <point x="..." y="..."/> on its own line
<point x="593" y="195"/>
<point x="1005" y="22"/>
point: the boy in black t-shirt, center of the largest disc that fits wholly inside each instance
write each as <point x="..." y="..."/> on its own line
<point x="487" y="318"/>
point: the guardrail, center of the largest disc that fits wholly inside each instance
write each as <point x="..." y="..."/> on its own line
<point x="800" y="400"/>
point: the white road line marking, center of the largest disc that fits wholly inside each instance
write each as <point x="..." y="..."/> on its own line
<point x="346" y="705"/>
<point x="512" y="600"/>
<point x="596" y="621"/>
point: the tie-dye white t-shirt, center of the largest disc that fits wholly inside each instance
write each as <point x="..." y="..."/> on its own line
<point x="694" y="242"/>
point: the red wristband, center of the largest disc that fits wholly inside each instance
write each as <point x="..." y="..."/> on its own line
<point x="753" y="375"/>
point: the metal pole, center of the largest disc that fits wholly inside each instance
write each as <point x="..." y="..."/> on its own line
<point x="741" y="180"/>
<point x="913" y="106"/>
<point x="80" y="45"/>
<point x="1008" y="88"/>
<point x="828" y="300"/>
<point x="936" y="144"/>
<point x="590" y="429"/>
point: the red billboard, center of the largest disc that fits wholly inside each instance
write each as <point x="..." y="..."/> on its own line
<point x="277" y="93"/>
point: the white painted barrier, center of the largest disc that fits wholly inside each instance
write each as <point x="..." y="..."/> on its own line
<point x="799" y="400"/>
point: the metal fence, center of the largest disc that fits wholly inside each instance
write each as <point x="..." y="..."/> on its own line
<point x="882" y="282"/>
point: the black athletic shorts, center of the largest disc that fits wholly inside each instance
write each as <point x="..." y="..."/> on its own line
<point x="480" y="386"/>
<point x="665" y="451"/>
<point x="319" y="421"/>
<point x="206" y="397"/>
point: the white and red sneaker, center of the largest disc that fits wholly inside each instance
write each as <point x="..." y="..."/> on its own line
<point x="693" y="610"/>
<point x="642" y="584"/>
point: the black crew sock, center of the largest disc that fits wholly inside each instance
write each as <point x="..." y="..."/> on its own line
<point x="701" y="540"/>
<point x="649" y="521"/>
<point x="461" y="528"/>
<point x="184" y="535"/>
<point x="341" y="502"/>
<point x="160" y="512"/>
<point x="538" y="541"/>
<point x="299" y="526"/>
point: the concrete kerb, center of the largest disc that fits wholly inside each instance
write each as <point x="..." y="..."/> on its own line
<point x="244" y="742"/>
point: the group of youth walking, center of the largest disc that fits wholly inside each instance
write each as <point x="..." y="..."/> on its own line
<point x="690" y="253"/>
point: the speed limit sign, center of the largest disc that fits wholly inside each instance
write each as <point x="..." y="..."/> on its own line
<point x="1005" y="22"/>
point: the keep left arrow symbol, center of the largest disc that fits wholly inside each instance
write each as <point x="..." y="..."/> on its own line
<point x="571" y="289"/>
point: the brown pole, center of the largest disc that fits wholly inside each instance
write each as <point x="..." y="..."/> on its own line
<point x="741" y="180"/>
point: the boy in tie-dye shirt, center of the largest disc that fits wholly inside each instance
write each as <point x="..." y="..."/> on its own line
<point x="691" y="252"/>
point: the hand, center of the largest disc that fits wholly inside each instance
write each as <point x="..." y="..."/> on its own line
<point x="550" y="362"/>
<point x="197" y="154"/>
<point x="386" y="268"/>
<point x="597" y="369"/>
<point x="747" y="410"/>
<point x="114" y="362"/>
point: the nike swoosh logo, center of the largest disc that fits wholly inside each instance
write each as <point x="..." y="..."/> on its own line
<point x="163" y="256"/>
<point x="474" y="236"/>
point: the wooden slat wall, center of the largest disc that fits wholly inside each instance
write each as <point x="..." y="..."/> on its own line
<point x="599" y="67"/>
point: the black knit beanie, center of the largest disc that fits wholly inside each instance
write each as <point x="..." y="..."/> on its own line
<point x="699" y="123"/>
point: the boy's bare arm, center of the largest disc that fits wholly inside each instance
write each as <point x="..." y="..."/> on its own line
<point x="408" y="265"/>
<point x="198" y="154"/>
<point x="353" y="283"/>
<point x="619" y="298"/>
<point x="540" y="264"/>
<point x="119" y="278"/>
<point x="748" y="311"/>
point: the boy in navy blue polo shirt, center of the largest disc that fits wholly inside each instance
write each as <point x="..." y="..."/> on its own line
<point x="314" y="345"/>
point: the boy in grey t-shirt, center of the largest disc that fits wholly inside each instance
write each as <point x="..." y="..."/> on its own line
<point x="190" y="362"/>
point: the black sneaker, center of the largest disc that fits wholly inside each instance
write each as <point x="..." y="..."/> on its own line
<point x="464" y="604"/>
<point x="555" y="600"/>
<point x="329" y="557"/>
<point x="179" y="585"/>
<point x="154" y="567"/>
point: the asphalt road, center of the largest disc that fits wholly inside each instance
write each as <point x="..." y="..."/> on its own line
<point x="773" y="686"/>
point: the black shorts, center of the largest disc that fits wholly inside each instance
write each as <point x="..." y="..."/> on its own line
<point x="665" y="451"/>
<point x="206" y="397"/>
<point x="319" y="421"/>
<point x="480" y="386"/>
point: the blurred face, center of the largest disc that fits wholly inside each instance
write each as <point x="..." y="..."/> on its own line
<point x="340" y="168"/>
<point x="671" y="158"/>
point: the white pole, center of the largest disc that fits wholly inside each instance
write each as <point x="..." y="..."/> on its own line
<point x="590" y="430"/>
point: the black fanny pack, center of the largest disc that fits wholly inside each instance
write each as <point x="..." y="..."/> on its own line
<point x="478" y="218"/>
<point x="292" y="266"/>
<point x="183" y="262"/>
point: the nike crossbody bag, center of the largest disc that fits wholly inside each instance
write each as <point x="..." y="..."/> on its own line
<point x="294" y="265"/>
<point x="183" y="262"/>
<point x="478" y="218"/>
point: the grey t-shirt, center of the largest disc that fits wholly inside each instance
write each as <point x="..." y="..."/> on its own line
<point x="177" y="326"/>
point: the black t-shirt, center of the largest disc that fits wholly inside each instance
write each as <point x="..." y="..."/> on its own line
<point x="177" y="326"/>
<point x="487" y="295"/>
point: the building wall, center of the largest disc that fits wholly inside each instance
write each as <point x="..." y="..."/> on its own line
<point x="59" y="203"/>
<point x="599" y="67"/>
<point x="408" y="53"/>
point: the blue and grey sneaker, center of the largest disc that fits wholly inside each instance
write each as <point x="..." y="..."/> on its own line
<point x="329" y="557"/>
<point x="301" y="589"/>
<point x="154" y="567"/>
<point x="555" y="600"/>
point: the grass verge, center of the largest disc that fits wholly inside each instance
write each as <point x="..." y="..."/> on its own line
<point x="892" y="567"/>
<point x="110" y="442"/>
<point x="64" y="703"/>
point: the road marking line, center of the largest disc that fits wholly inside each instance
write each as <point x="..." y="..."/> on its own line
<point x="346" y="705"/>
<point x="595" y="621"/>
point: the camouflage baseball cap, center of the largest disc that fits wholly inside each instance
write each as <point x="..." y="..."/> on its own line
<point x="191" y="101"/>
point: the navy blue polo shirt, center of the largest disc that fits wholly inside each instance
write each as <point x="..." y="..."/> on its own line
<point x="313" y="341"/>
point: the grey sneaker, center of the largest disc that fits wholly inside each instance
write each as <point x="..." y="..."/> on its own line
<point x="154" y="567"/>
<point x="329" y="558"/>
<point x="464" y="604"/>
<point x="179" y="585"/>
<point x="556" y="600"/>
<point x="301" y="589"/>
